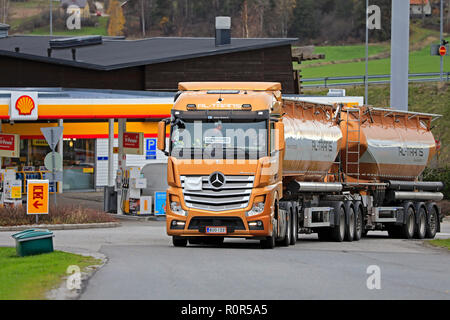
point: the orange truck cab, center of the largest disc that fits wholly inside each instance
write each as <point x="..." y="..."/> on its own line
<point x="224" y="168"/>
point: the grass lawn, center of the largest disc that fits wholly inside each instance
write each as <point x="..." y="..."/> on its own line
<point x="445" y="243"/>
<point x="344" y="53"/>
<point x="26" y="278"/>
<point x="419" y="61"/>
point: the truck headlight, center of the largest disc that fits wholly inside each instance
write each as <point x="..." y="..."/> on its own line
<point x="258" y="206"/>
<point x="175" y="207"/>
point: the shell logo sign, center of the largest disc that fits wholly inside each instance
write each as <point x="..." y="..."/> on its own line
<point x="23" y="106"/>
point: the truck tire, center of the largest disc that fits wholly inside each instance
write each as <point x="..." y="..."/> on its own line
<point x="408" y="228"/>
<point x="338" y="231"/>
<point x="432" y="222"/>
<point x="349" y="222"/>
<point x="288" y="235"/>
<point x="421" y="223"/>
<point x="294" y="226"/>
<point x="179" y="241"/>
<point x="359" y="222"/>
<point x="270" y="242"/>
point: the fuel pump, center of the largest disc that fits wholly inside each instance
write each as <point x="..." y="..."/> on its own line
<point x="129" y="186"/>
<point x="11" y="188"/>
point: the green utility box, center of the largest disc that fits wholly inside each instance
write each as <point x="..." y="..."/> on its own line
<point x="33" y="241"/>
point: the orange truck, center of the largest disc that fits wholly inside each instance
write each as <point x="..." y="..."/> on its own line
<point x="245" y="162"/>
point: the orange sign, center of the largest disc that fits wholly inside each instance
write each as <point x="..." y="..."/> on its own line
<point x="25" y="105"/>
<point x="37" y="197"/>
<point x="442" y="50"/>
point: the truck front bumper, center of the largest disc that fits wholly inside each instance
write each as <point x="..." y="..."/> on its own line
<point x="237" y="224"/>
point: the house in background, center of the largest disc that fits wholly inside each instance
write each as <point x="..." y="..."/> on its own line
<point x="419" y="7"/>
<point x="82" y="4"/>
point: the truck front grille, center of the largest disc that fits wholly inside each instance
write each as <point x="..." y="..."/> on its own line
<point x="234" y="194"/>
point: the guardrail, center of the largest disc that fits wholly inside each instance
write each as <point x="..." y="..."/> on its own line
<point x="372" y="79"/>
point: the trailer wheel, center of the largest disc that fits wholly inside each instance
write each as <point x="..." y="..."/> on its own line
<point x="421" y="223"/>
<point x="294" y="226"/>
<point x="338" y="231"/>
<point x="408" y="228"/>
<point x="179" y="241"/>
<point x="432" y="223"/>
<point x="359" y="223"/>
<point x="350" y="223"/>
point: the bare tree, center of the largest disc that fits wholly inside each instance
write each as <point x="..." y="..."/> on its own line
<point x="245" y="19"/>
<point x="143" y="18"/>
<point x="5" y="9"/>
<point x="285" y="9"/>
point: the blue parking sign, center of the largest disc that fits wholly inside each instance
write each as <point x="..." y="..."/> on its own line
<point x="150" y="149"/>
<point x="150" y="145"/>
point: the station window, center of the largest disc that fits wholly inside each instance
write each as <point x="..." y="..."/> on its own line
<point x="78" y="161"/>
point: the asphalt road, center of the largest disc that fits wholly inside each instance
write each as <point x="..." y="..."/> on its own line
<point x="142" y="264"/>
<point x="240" y="270"/>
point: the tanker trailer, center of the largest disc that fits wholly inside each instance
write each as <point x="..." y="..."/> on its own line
<point x="372" y="182"/>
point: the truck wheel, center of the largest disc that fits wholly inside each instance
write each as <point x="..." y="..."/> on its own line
<point x="179" y="241"/>
<point x="269" y="242"/>
<point x="432" y="223"/>
<point x="338" y="232"/>
<point x="408" y="228"/>
<point x="421" y="224"/>
<point x="287" y="237"/>
<point x="350" y="224"/>
<point x="294" y="227"/>
<point x="358" y="224"/>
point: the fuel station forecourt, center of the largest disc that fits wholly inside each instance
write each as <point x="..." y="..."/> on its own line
<point x="90" y="132"/>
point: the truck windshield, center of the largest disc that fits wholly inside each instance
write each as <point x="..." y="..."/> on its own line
<point x="218" y="139"/>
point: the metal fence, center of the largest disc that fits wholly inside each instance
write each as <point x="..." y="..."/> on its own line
<point x="372" y="79"/>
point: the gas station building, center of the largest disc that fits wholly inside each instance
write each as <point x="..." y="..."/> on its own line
<point x="87" y="117"/>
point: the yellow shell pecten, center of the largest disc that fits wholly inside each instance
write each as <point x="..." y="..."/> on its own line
<point x="25" y="105"/>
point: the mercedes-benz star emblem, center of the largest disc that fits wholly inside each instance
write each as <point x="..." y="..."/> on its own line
<point x="216" y="180"/>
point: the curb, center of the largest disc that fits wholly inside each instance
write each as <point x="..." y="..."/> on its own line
<point x="63" y="226"/>
<point x="64" y="293"/>
<point x="137" y="218"/>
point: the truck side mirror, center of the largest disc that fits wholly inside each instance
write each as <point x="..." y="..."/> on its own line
<point x="279" y="135"/>
<point x="161" y="144"/>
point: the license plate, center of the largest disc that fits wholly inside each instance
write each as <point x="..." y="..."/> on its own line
<point x="216" y="230"/>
